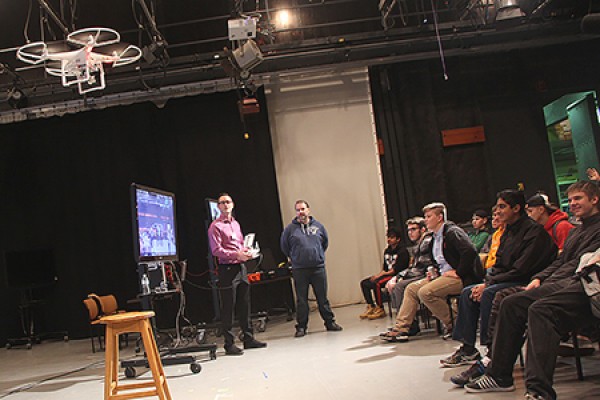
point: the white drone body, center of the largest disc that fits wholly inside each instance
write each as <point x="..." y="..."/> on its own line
<point x="83" y="66"/>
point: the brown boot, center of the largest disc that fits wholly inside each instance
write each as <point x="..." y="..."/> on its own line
<point x="378" y="312"/>
<point x="367" y="312"/>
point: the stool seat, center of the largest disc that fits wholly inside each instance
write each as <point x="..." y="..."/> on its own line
<point x="126" y="317"/>
<point x="128" y="322"/>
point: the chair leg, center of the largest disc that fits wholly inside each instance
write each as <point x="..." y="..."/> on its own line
<point x="521" y="358"/>
<point x="96" y="334"/>
<point x="92" y="339"/>
<point x="123" y="340"/>
<point x="438" y="326"/>
<point x="577" y="356"/>
<point x="425" y="316"/>
<point x="101" y="337"/>
<point x="451" y="300"/>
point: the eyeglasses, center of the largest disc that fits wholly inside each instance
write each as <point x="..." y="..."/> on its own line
<point x="412" y="229"/>
<point x="225" y="202"/>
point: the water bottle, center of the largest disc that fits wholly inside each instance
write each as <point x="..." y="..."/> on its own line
<point x="145" y="284"/>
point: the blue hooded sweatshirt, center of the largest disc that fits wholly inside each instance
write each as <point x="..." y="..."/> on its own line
<point x="305" y="244"/>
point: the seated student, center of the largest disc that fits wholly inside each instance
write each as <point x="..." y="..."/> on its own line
<point x="395" y="259"/>
<point x="479" y="367"/>
<point x="525" y="250"/>
<point x="479" y="235"/>
<point x="555" y="221"/>
<point x="491" y="247"/>
<point x="422" y="259"/>
<point x="458" y="264"/>
<point x="412" y="245"/>
<point x="552" y="304"/>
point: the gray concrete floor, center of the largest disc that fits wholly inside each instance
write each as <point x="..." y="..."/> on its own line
<point x="352" y="364"/>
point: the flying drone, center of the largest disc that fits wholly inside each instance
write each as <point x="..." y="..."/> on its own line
<point x="83" y="65"/>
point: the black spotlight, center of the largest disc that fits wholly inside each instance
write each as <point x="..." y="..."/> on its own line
<point x="156" y="52"/>
<point x="16" y="98"/>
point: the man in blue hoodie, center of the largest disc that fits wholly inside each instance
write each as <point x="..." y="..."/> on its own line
<point x="304" y="242"/>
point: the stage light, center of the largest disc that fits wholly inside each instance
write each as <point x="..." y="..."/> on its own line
<point x="508" y="9"/>
<point x="249" y="105"/>
<point x="155" y="52"/>
<point x="242" y="28"/>
<point x="283" y="19"/>
<point x="247" y="56"/>
<point x="16" y="98"/>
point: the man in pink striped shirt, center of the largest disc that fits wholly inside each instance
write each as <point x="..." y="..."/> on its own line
<point x="227" y="245"/>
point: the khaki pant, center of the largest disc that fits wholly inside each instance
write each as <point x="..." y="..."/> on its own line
<point x="433" y="294"/>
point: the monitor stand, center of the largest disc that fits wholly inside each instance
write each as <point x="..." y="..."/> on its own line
<point x="168" y="355"/>
<point x="28" y="309"/>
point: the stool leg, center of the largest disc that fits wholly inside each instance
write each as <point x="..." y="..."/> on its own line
<point x="158" y="374"/>
<point x="111" y="357"/>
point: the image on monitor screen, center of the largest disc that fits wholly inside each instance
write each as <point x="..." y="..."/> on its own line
<point x="212" y="207"/>
<point x="154" y="224"/>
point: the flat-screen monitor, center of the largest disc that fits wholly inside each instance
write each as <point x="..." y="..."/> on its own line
<point x="154" y="224"/>
<point x="212" y="209"/>
<point x="30" y="268"/>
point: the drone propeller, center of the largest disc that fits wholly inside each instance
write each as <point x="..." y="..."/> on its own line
<point x="94" y="37"/>
<point x="36" y="52"/>
<point x="129" y="55"/>
<point x="33" y="53"/>
<point x="119" y="54"/>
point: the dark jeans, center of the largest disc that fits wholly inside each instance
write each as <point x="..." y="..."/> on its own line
<point x="470" y="312"/>
<point x="303" y="277"/>
<point x="498" y="298"/>
<point x="369" y="287"/>
<point x="234" y="289"/>
<point x="549" y="311"/>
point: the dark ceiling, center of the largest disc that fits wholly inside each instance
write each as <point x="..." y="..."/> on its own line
<point x="184" y="39"/>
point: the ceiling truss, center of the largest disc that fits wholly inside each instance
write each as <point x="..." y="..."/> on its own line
<point x="462" y="30"/>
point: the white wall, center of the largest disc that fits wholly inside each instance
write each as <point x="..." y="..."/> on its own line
<point x="324" y="150"/>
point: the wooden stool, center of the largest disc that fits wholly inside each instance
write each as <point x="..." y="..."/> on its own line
<point x="126" y="323"/>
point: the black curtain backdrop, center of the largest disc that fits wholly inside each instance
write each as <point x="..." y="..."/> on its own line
<point x="504" y="92"/>
<point x="65" y="186"/>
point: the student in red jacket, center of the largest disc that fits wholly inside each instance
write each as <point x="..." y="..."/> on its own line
<point x="554" y="220"/>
